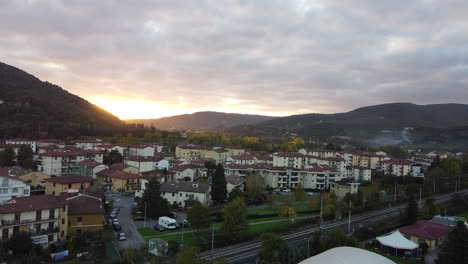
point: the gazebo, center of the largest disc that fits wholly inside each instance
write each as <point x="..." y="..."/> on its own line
<point x="396" y="241"/>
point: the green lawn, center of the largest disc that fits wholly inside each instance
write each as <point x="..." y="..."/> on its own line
<point x="276" y="209"/>
<point x="268" y="227"/>
<point x="464" y="215"/>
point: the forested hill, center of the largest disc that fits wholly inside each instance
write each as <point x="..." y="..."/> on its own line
<point x="202" y="121"/>
<point x="30" y="107"/>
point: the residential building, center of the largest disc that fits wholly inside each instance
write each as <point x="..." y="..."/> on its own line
<point x="50" y="142"/>
<point x="185" y="172"/>
<point x="89" y="144"/>
<point x="244" y="159"/>
<point x="142" y="163"/>
<point x="124" y="167"/>
<point x="11" y="186"/>
<point x="145" y="150"/>
<point x="358" y="173"/>
<point x="60" y="162"/>
<point x="119" y="181"/>
<point x="123" y="149"/>
<point x="85" y="213"/>
<point x="288" y="159"/>
<point x="87" y="168"/>
<point x="234" y="181"/>
<point x="432" y="234"/>
<point x="397" y="167"/>
<point x="219" y="155"/>
<point x="40" y="215"/>
<point x="68" y="184"/>
<point x="33" y="178"/>
<point x="342" y="188"/>
<point x="158" y="247"/>
<point x="235" y="150"/>
<point x="190" y="151"/>
<point x="318" y="152"/>
<point x="178" y="193"/>
<point x="23" y="141"/>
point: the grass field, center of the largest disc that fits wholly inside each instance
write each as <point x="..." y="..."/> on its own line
<point x="276" y="209"/>
<point x="464" y="215"/>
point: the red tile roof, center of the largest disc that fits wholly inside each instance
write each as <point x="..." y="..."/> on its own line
<point x="426" y="229"/>
<point x="184" y="167"/>
<point x="67" y="153"/>
<point x="123" y="175"/>
<point x="82" y="204"/>
<point x="31" y="203"/>
<point x="289" y="154"/>
<point x="89" y="163"/>
<point x="235" y="179"/>
<point x="119" y="166"/>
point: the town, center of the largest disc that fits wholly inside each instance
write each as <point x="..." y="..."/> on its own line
<point x="187" y="200"/>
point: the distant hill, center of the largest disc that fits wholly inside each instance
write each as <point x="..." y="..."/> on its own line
<point x="202" y="121"/>
<point x="384" y="123"/>
<point x="30" y="107"/>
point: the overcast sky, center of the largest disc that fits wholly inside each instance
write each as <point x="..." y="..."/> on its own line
<point x="150" y="58"/>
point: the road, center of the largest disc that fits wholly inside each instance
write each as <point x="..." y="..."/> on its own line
<point x="248" y="252"/>
<point x="134" y="239"/>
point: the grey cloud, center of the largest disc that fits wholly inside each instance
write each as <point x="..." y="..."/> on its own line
<point x="281" y="56"/>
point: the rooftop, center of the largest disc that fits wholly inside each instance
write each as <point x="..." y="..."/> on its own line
<point x="426" y="229"/>
<point x="185" y="186"/>
<point x="70" y="178"/>
<point x="31" y="203"/>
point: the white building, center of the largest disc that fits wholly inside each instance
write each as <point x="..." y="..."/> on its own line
<point x="288" y="159"/>
<point x="12" y="187"/>
<point x="142" y="163"/>
<point x="60" y="162"/>
<point x="234" y="181"/>
<point x="142" y="150"/>
<point x="89" y="144"/>
<point x="179" y="193"/>
<point x="358" y="173"/>
<point x="244" y="159"/>
<point x="23" y="141"/>
<point x="397" y="167"/>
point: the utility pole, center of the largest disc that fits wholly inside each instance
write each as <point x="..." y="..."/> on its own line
<point x="420" y="197"/>
<point x="212" y="242"/>
<point x="144" y="223"/>
<point x="349" y="217"/>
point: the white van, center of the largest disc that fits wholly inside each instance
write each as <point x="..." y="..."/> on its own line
<point x="167" y="222"/>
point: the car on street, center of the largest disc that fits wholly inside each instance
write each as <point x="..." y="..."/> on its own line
<point x="116" y="221"/>
<point x="311" y="193"/>
<point x="159" y="228"/>
<point x="117" y="227"/>
<point x="287" y="190"/>
<point x="122" y="237"/>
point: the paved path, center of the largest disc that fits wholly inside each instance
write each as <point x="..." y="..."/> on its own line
<point x="134" y="239"/>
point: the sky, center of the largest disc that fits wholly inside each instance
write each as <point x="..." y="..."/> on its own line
<point x="149" y="58"/>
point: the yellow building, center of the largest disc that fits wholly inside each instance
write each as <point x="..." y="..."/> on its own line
<point x="124" y="167"/>
<point x="34" y="178"/>
<point x="67" y="183"/>
<point x="85" y="214"/>
<point x="342" y="188"/>
<point x="191" y="151"/>
<point x="432" y="234"/>
<point x="118" y="181"/>
<point x="43" y="216"/>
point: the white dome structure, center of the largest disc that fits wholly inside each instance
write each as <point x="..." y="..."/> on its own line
<point x="347" y="255"/>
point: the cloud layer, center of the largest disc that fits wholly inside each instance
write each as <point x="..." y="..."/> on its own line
<point x="269" y="57"/>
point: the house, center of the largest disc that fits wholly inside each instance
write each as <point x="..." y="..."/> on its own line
<point x="146" y="176"/>
<point x="32" y="177"/>
<point x="358" y="173"/>
<point x="67" y="183"/>
<point x="397" y="167"/>
<point x="85" y="213"/>
<point x="158" y="247"/>
<point x="244" y="159"/>
<point x="89" y="144"/>
<point x="87" y="168"/>
<point x="44" y="149"/>
<point x="123" y="149"/>
<point x="219" y="155"/>
<point x="11" y="186"/>
<point x="318" y="152"/>
<point x="342" y="188"/>
<point x="60" y="162"/>
<point x="44" y="216"/>
<point x="185" y="172"/>
<point x="50" y="142"/>
<point x="118" y="181"/>
<point x="142" y="163"/>
<point x="190" y="151"/>
<point x="124" y="167"/>
<point x="288" y="159"/>
<point x="234" y="181"/>
<point x="23" y="141"/>
<point x="146" y="150"/>
<point x="179" y="193"/>
<point x="432" y="154"/>
<point x="234" y="150"/>
<point x="433" y="234"/>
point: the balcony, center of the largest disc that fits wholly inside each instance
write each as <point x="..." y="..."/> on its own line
<point x="44" y="231"/>
<point x="25" y="221"/>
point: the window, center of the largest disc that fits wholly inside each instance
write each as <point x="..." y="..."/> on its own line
<point x="14" y="190"/>
<point x="62" y="233"/>
<point x="63" y="221"/>
<point x="54" y="184"/>
<point x="79" y="219"/>
<point x="26" y="192"/>
<point x="69" y="185"/>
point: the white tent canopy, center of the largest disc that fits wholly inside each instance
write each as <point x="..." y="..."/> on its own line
<point x="347" y="255"/>
<point x="397" y="240"/>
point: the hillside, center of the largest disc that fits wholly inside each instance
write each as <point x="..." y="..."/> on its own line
<point x="202" y="121"/>
<point x="384" y="123"/>
<point x="30" y="107"/>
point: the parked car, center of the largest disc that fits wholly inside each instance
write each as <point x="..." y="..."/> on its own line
<point x="122" y="237"/>
<point x="116" y="221"/>
<point x="276" y="190"/>
<point x="113" y="215"/>
<point x="311" y="193"/>
<point x="117" y="209"/>
<point x="117" y="227"/>
<point x="287" y="190"/>
<point x="159" y="228"/>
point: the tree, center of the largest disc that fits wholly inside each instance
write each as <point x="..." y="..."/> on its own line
<point x="219" y="185"/>
<point x="429" y="209"/>
<point x="188" y="255"/>
<point x="453" y="168"/>
<point x="336" y="237"/>
<point x="129" y="255"/>
<point x="235" y="220"/>
<point x="289" y="212"/>
<point x="411" y="210"/>
<point x="299" y="193"/>
<point x="273" y="248"/>
<point x="236" y="192"/>
<point x="20" y="244"/>
<point x="199" y="216"/>
<point x="455" y="249"/>
<point x="156" y="206"/>
<point x="255" y="187"/>
<point x="270" y="200"/>
<point x="329" y="204"/>
<point x="113" y="157"/>
<point x="7" y="157"/>
<point x="312" y="203"/>
<point x="25" y="157"/>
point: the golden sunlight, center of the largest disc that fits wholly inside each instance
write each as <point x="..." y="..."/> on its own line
<point x="134" y="109"/>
